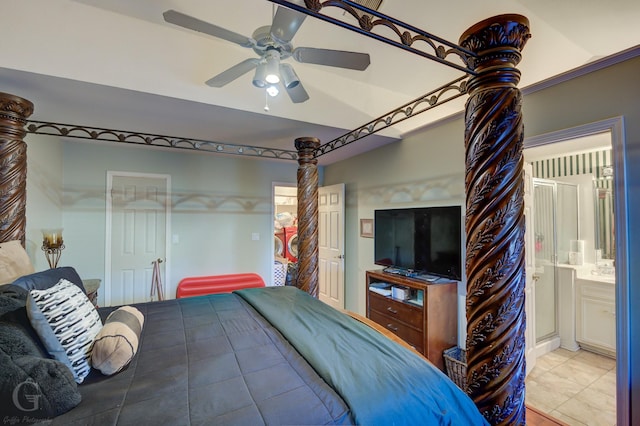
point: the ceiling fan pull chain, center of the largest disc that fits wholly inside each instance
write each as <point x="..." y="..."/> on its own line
<point x="266" y="101"/>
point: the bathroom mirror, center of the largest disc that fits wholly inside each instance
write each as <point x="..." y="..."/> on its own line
<point x="604" y="218"/>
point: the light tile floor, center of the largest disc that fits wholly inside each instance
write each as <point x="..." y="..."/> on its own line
<point x="578" y="388"/>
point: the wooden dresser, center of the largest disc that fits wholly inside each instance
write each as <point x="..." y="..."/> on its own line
<point x="428" y="320"/>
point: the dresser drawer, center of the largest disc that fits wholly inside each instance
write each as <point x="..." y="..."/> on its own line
<point x="406" y="333"/>
<point x="411" y="315"/>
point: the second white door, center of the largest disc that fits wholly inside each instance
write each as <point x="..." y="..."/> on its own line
<point x="331" y="244"/>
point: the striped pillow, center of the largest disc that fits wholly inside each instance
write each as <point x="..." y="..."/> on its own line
<point x="67" y="323"/>
<point x="117" y="342"/>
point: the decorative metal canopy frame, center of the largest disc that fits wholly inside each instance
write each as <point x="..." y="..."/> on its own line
<point x="437" y="97"/>
<point x="368" y="20"/>
<point x="430" y="100"/>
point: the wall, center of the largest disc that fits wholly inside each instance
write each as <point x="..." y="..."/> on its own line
<point x="217" y="203"/>
<point x="424" y="169"/>
<point x="437" y="153"/>
<point x="44" y="195"/>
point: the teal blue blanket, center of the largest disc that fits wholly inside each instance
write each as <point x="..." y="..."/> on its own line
<point x="382" y="382"/>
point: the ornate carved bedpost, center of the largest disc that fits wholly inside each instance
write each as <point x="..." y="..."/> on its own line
<point x="307" y="215"/>
<point x="495" y="220"/>
<point x="13" y="167"/>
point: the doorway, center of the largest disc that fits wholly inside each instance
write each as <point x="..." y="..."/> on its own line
<point x="331" y="257"/>
<point x="571" y="158"/>
<point x="285" y="234"/>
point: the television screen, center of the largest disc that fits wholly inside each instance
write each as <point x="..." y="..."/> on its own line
<point x="424" y="239"/>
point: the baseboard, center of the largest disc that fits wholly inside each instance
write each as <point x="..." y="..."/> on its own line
<point x="547" y="346"/>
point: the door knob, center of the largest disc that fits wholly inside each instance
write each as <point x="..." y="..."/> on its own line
<point x="535" y="277"/>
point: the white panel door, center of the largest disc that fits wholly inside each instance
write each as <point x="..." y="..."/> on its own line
<point x="138" y="236"/>
<point x="331" y="245"/>
<point x="530" y="266"/>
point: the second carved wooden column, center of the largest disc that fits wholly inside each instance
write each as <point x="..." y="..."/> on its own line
<point x="495" y="220"/>
<point x="307" y="215"/>
<point x="13" y="167"/>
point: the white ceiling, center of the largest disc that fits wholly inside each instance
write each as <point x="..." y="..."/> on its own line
<point x="117" y="64"/>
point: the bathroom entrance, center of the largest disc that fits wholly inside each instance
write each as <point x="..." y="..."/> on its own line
<point x="578" y="309"/>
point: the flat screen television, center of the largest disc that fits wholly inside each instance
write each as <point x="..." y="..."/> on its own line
<point x="424" y="240"/>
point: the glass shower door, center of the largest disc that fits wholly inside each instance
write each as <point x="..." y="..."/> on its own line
<point x="544" y="202"/>
<point x="556" y="224"/>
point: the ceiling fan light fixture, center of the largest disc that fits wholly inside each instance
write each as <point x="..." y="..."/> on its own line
<point x="259" y="78"/>
<point x="272" y="64"/>
<point x="272" y="90"/>
<point x="273" y="43"/>
<point x="289" y="77"/>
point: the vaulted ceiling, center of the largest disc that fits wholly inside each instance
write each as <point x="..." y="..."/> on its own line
<point x="118" y="64"/>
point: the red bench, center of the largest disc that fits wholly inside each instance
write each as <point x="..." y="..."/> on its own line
<point x="198" y="286"/>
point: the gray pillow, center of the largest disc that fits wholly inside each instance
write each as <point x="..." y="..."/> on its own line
<point x="45" y="279"/>
<point x="31" y="386"/>
<point x="14" y="314"/>
<point x="12" y="298"/>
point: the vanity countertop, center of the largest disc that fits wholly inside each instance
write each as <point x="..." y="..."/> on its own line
<point x="590" y="272"/>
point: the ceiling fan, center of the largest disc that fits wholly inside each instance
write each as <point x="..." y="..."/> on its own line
<point x="272" y="43"/>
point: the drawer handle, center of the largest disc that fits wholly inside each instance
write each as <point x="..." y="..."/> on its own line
<point x="393" y="311"/>
<point x="391" y="327"/>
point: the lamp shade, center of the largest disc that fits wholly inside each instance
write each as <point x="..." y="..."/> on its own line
<point x="289" y="77"/>
<point x="52" y="237"/>
<point x="260" y="75"/>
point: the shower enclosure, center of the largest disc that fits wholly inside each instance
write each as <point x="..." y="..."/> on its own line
<point x="556" y="224"/>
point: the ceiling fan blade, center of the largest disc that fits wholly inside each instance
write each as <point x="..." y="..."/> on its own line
<point x="226" y="77"/>
<point x="286" y="23"/>
<point x="332" y="58"/>
<point x="297" y="93"/>
<point x="191" y="23"/>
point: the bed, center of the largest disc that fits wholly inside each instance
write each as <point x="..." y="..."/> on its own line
<point x="488" y="53"/>
<point x="271" y="355"/>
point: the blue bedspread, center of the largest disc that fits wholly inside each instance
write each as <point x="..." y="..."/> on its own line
<point x="382" y="382"/>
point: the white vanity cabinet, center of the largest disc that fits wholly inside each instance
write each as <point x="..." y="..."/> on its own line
<point x="596" y="316"/>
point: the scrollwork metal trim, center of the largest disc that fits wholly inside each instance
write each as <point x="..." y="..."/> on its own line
<point x="121" y="136"/>
<point x="368" y="19"/>
<point x="410" y="109"/>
